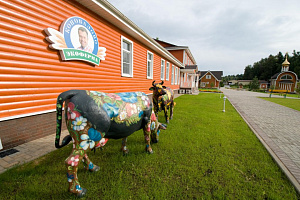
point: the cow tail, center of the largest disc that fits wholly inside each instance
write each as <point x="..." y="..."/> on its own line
<point x="59" y="106"/>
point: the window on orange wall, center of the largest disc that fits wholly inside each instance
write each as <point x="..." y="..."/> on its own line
<point x="149" y="65"/>
<point x="127" y="57"/>
<point x="167" y="71"/>
<point x="176" y="76"/>
<point x="162" y="70"/>
<point x="208" y="77"/>
<point x="172" y="76"/>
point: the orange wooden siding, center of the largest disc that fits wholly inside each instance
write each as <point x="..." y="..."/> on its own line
<point x="32" y="75"/>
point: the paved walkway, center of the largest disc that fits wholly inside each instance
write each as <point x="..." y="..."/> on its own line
<point x="276" y="126"/>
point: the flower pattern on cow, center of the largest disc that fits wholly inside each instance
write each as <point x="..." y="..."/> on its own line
<point x="86" y="142"/>
<point x="129" y="97"/>
<point x="94" y="134"/>
<point x="72" y="113"/>
<point x="111" y="109"/>
<point x="127" y="107"/>
<point x="74" y="161"/>
<point x="70" y="177"/>
<point x="79" y="123"/>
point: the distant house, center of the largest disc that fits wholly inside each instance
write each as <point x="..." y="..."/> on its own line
<point x="263" y="84"/>
<point x="244" y="82"/>
<point x="285" y="80"/>
<point x="210" y="79"/>
<point x="188" y="75"/>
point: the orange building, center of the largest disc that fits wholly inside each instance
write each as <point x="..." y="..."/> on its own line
<point x="42" y="54"/>
<point x="210" y="79"/>
<point x="189" y="77"/>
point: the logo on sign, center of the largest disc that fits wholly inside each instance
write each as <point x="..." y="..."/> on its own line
<point x="76" y="40"/>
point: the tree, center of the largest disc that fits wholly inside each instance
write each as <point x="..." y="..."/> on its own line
<point x="254" y="84"/>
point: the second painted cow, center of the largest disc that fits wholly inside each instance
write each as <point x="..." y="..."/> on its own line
<point x="94" y="117"/>
<point x="163" y="99"/>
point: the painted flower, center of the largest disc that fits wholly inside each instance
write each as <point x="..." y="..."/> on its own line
<point x="70" y="177"/>
<point x="96" y="93"/>
<point x="74" y="161"/>
<point x="78" y="188"/>
<point x="153" y="126"/>
<point x="86" y="142"/>
<point x="114" y="96"/>
<point x="71" y="113"/>
<point x="129" y="97"/>
<point x="131" y="109"/>
<point x="91" y="165"/>
<point x="139" y="94"/>
<point x="146" y="100"/>
<point x="94" y="134"/>
<point x="79" y="123"/>
<point x="111" y="109"/>
<point x="123" y="115"/>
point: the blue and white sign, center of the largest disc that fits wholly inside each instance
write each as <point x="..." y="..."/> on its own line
<point x="76" y="40"/>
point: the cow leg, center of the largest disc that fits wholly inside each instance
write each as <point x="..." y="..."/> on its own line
<point x="147" y="133"/>
<point x="166" y="114"/>
<point x="88" y="165"/>
<point x="72" y="163"/>
<point x="124" y="148"/>
<point x="171" y="110"/>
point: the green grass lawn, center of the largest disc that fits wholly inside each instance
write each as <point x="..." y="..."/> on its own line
<point x="204" y="154"/>
<point x="291" y="103"/>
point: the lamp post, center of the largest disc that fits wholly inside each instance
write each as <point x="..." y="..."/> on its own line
<point x="224" y="103"/>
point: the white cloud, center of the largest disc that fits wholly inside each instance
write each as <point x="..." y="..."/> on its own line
<point x="223" y="35"/>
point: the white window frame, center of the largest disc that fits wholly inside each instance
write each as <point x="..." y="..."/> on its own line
<point x="151" y="65"/>
<point x="124" y="39"/>
<point x="176" y="78"/>
<point x="162" y="69"/>
<point x="208" y="76"/>
<point x="167" y="71"/>
<point x="172" y="77"/>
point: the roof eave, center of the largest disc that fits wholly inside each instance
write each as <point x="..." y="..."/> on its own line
<point x="115" y="17"/>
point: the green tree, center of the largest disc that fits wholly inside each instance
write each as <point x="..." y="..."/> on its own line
<point x="254" y="84"/>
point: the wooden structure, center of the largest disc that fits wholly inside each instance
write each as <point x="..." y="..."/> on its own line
<point x="210" y="79"/>
<point x="285" y="80"/>
<point x="33" y="73"/>
<point x="188" y="75"/>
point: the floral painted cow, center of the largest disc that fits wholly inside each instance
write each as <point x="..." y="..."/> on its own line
<point x="94" y="117"/>
<point x="163" y="99"/>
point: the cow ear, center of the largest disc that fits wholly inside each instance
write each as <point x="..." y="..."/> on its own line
<point x="152" y="88"/>
<point x="164" y="87"/>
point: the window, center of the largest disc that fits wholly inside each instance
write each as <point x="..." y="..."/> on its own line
<point x="176" y="76"/>
<point x="286" y="77"/>
<point x="149" y="65"/>
<point x="208" y="76"/>
<point x="167" y="71"/>
<point x="172" y="77"/>
<point x="162" y="70"/>
<point x="127" y="57"/>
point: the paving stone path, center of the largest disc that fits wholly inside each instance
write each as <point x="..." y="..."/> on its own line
<point x="276" y="126"/>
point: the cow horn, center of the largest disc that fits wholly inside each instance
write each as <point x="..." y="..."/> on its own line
<point x="162" y="82"/>
<point x="153" y="83"/>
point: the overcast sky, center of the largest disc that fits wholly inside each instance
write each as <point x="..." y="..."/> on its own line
<point x="222" y="35"/>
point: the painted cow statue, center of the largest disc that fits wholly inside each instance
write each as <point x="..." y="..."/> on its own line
<point x="94" y="117"/>
<point x="163" y="99"/>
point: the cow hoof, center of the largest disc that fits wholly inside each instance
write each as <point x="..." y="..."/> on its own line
<point x="154" y="141"/>
<point x="82" y="193"/>
<point x="95" y="169"/>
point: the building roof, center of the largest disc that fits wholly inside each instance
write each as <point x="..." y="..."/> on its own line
<point x="217" y="74"/>
<point x="108" y="12"/>
<point x="171" y="47"/>
<point x="191" y="67"/>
